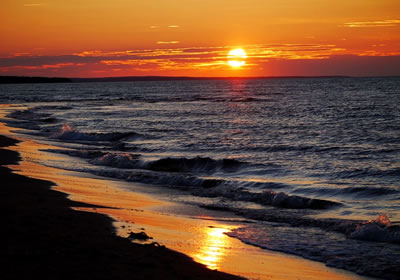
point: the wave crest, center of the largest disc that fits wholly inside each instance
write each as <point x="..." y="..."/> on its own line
<point x="67" y="132"/>
<point x="380" y="230"/>
<point x="197" y="164"/>
<point x="122" y="160"/>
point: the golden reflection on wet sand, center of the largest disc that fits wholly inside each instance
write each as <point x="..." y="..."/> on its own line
<point x="213" y="248"/>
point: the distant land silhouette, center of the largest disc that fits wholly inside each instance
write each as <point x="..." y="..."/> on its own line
<point x="25" y="80"/>
<point x="28" y="80"/>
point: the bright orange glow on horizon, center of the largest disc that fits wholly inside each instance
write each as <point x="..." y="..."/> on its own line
<point x="97" y="38"/>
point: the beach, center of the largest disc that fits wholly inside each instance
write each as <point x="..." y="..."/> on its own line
<point x="47" y="237"/>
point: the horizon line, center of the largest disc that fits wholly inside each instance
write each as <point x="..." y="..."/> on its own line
<point x="50" y="79"/>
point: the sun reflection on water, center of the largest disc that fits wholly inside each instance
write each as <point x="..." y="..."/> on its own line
<point x="213" y="247"/>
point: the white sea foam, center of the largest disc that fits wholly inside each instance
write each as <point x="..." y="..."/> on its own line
<point x="118" y="160"/>
<point x="380" y="229"/>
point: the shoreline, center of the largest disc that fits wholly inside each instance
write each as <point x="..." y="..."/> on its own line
<point x="264" y="264"/>
<point x="45" y="238"/>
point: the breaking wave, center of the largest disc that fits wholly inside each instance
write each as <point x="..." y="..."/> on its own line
<point x="28" y="115"/>
<point x="70" y="134"/>
<point x="183" y="173"/>
<point x="202" y="165"/>
<point x="121" y="160"/>
<point x="198" y="164"/>
<point x="365" y="258"/>
<point x="380" y="230"/>
<point x="219" y="188"/>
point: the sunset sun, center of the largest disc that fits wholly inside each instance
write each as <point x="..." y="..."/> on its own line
<point x="236" y="58"/>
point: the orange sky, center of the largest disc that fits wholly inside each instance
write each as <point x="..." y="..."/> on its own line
<point x="100" y="38"/>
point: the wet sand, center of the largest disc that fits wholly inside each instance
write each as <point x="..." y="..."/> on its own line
<point x="49" y="239"/>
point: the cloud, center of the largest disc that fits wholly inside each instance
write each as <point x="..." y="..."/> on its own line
<point x="169" y="26"/>
<point x="292" y="51"/>
<point x="33" y="4"/>
<point x="379" y="23"/>
<point x="173" y="56"/>
<point x="41" y="67"/>
<point x="58" y="65"/>
<point x="169" y="56"/>
<point x="167" y="42"/>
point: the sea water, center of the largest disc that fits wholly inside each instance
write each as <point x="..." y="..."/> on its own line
<point x="312" y="164"/>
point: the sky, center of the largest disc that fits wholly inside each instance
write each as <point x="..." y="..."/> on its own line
<point x="104" y="38"/>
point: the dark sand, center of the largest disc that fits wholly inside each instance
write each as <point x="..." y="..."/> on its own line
<point x="46" y="239"/>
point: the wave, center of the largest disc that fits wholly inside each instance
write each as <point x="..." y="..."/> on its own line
<point x="197" y="164"/>
<point x="367" y="172"/>
<point x="175" y="165"/>
<point x="297" y="148"/>
<point x="87" y="154"/>
<point x="380" y="230"/>
<point x="29" y="119"/>
<point x="28" y="115"/>
<point x="219" y="188"/>
<point x="268" y="198"/>
<point x="53" y="107"/>
<point x="120" y="160"/>
<point x="264" y="185"/>
<point x="180" y="173"/>
<point x="365" y="258"/>
<point x="33" y="119"/>
<point x="185" y="182"/>
<point x="354" y="191"/>
<point x="295" y="202"/>
<point x="368" y="191"/>
<point x="70" y="134"/>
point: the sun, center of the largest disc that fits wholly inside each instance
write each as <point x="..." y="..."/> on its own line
<point x="236" y="58"/>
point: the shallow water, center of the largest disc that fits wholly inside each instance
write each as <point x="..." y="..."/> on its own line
<point x="308" y="159"/>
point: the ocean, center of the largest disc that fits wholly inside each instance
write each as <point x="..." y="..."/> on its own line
<point x="311" y="165"/>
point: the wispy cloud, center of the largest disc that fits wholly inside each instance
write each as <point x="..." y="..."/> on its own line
<point x="169" y="56"/>
<point x="159" y="27"/>
<point x="167" y="42"/>
<point x="41" y="67"/>
<point x="378" y="23"/>
<point x="213" y="57"/>
<point x="33" y="4"/>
